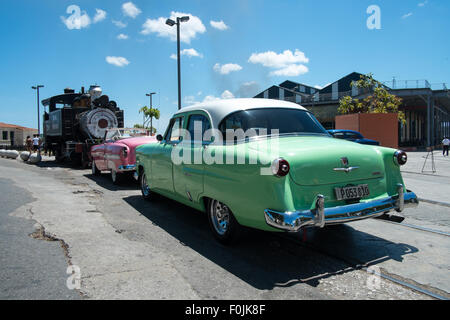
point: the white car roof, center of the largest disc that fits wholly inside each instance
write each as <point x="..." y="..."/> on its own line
<point x="219" y="109"/>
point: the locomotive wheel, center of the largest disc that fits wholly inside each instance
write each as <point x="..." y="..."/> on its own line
<point x="59" y="156"/>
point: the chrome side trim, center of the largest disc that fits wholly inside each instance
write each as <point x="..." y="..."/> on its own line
<point x="320" y="216"/>
<point x="347" y="170"/>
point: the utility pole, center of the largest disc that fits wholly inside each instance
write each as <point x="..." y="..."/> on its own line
<point x="38" y="113"/>
<point x="151" y="105"/>
<point x="171" y="23"/>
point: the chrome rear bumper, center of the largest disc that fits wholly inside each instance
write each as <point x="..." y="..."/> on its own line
<point x="320" y="216"/>
<point x="129" y="167"/>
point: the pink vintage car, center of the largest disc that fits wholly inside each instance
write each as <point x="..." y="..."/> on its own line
<point x="117" y="153"/>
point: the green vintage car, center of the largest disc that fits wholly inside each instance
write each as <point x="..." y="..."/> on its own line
<point x="269" y="165"/>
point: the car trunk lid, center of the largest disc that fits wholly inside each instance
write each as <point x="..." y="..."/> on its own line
<point x="319" y="160"/>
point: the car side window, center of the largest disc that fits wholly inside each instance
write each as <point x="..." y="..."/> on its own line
<point x="198" y="124"/>
<point x="174" y="132"/>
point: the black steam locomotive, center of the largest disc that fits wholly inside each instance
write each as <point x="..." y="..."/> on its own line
<point x="77" y="121"/>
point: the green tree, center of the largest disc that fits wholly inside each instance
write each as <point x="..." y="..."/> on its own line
<point x="149" y="114"/>
<point x="378" y="101"/>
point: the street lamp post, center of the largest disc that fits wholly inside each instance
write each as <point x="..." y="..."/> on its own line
<point x="38" y="112"/>
<point x="151" y="105"/>
<point x="171" y="23"/>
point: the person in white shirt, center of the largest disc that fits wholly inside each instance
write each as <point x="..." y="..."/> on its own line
<point x="445" y="144"/>
<point x="36" y="142"/>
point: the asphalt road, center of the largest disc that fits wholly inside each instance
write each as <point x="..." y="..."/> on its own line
<point x="127" y="248"/>
<point x="30" y="269"/>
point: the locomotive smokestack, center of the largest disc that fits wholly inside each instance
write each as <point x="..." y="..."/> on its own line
<point x="82" y="90"/>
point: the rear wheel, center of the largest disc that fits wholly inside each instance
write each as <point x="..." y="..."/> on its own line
<point x="95" y="171"/>
<point x="147" y="194"/>
<point x="116" y="177"/>
<point x="223" y="225"/>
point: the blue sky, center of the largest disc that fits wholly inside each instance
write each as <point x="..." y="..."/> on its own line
<point x="232" y="48"/>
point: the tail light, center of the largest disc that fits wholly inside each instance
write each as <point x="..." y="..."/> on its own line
<point x="280" y="167"/>
<point x="124" y="152"/>
<point x="400" y="157"/>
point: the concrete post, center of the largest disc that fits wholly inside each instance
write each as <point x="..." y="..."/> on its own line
<point x="433" y="128"/>
<point x="428" y="121"/>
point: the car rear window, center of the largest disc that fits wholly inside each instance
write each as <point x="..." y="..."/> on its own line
<point x="285" y="120"/>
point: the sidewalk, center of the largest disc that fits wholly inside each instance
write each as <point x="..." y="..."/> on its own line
<point x="416" y="161"/>
<point x="429" y="187"/>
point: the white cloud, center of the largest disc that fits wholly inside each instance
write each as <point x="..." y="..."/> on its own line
<point x="187" y="52"/>
<point x="226" y="68"/>
<point x="122" y="36"/>
<point x="287" y="63"/>
<point x="210" y="98"/>
<point x="248" y="89"/>
<point x="220" y="25"/>
<point x="227" y="95"/>
<point x="100" y="15"/>
<point x="77" y="20"/>
<point x="130" y="10"/>
<point x="290" y="71"/>
<point x="189" y="100"/>
<point x="422" y="4"/>
<point x="188" y="30"/>
<point x="407" y="15"/>
<point x="119" y="24"/>
<point x="274" y="60"/>
<point x="117" y="61"/>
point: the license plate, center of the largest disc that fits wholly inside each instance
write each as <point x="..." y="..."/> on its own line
<point x="354" y="192"/>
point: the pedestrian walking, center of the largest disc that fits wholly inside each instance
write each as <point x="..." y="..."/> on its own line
<point x="445" y="144"/>
<point x="36" y="142"/>
<point x="29" y="144"/>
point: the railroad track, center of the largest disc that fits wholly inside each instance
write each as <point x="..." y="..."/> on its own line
<point x="411" y="226"/>
<point x="358" y="265"/>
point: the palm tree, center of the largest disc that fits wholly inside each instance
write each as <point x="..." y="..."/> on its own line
<point x="149" y="114"/>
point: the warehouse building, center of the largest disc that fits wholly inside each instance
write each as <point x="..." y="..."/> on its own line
<point x="14" y="135"/>
<point x="426" y="105"/>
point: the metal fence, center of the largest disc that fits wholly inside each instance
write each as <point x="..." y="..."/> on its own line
<point x="414" y="84"/>
<point x="324" y="97"/>
<point x="394" y="84"/>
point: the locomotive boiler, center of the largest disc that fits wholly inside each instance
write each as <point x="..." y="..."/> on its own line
<point x="76" y="121"/>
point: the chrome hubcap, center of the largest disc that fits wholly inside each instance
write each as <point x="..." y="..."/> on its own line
<point x="220" y="216"/>
<point x="145" y="187"/>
